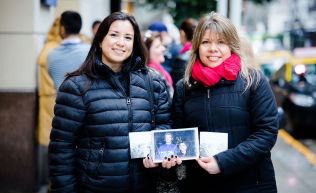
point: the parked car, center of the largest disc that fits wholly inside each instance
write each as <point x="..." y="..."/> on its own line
<point x="271" y="61"/>
<point x="294" y="86"/>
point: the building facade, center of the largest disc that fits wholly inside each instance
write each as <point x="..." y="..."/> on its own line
<point x="23" y="29"/>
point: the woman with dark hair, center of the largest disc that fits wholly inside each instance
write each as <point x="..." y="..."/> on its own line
<point x="186" y="34"/>
<point x="96" y="108"/>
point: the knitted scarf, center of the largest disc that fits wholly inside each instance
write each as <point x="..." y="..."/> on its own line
<point x="210" y="76"/>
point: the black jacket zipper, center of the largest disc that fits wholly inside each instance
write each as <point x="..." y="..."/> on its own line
<point x="128" y="102"/>
<point x="208" y="109"/>
<point x="130" y="119"/>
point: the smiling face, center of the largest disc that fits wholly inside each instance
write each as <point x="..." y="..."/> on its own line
<point x="213" y="49"/>
<point x="117" y="45"/>
<point x="156" y="51"/>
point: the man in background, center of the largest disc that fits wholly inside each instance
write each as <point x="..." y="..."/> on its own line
<point x="71" y="53"/>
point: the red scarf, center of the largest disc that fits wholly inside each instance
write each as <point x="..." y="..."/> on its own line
<point x="186" y="47"/>
<point x="210" y="76"/>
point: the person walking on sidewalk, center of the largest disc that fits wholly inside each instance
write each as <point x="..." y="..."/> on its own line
<point x="46" y="101"/>
<point x="71" y="53"/>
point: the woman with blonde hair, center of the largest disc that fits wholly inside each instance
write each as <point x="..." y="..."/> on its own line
<point x="248" y="52"/>
<point x="223" y="93"/>
<point x="47" y="92"/>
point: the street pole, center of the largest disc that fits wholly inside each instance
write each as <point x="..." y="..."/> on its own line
<point x="231" y="9"/>
<point x="222" y="6"/>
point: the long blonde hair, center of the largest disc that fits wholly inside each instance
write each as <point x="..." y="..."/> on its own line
<point x="225" y="28"/>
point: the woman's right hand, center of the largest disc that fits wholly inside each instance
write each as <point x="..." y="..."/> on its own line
<point x="170" y="162"/>
<point x="209" y="164"/>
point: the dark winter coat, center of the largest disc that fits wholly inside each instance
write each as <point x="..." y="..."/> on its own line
<point x="89" y="149"/>
<point x="178" y="67"/>
<point x="251" y="121"/>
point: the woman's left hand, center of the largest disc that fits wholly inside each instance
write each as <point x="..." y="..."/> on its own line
<point x="209" y="164"/>
<point x="148" y="163"/>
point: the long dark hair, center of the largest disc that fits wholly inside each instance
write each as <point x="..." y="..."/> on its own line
<point x="88" y="66"/>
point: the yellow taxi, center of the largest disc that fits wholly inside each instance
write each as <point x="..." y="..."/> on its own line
<point x="271" y="61"/>
<point x="294" y="86"/>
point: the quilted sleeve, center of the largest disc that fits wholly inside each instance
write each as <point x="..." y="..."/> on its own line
<point x="69" y="117"/>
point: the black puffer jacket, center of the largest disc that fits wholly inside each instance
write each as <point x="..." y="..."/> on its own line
<point x="251" y="121"/>
<point x="89" y="148"/>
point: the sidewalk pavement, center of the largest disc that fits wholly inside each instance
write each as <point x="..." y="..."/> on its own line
<point x="294" y="174"/>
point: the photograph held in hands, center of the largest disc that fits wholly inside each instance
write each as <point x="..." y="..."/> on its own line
<point x="183" y="143"/>
<point x="160" y="144"/>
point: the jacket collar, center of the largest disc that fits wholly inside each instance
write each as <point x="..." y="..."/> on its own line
<point x="103" y="70"/>
<point x="74" y="40"/>
<point x="222" y="82"/>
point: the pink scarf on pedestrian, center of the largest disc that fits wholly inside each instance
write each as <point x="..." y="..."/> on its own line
<point x="186" y="47"/>
<point x="160" y="68"/>
<point x="210" y="76"/>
